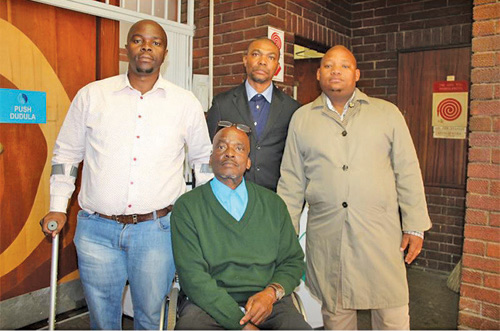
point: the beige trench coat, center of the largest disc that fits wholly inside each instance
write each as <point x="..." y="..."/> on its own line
<point x="354" y="175"/>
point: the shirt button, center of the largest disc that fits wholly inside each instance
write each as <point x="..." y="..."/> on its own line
<point x="345" y="167"/>
<point x="351" y="104"/>
<point x="135" y="159"/>
<point x="131" y="183"/>
<point x="138" y="137"/>
<point x="140" y="116"/>
<point x="141" y="97"/>
<point x="344" y="204"/>
<point x="255" y="123"/>
<point x="129" y="206"/>
<point x="344" y="133"/>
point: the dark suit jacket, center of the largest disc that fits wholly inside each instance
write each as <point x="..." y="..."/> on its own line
<point x="265" y="153"/>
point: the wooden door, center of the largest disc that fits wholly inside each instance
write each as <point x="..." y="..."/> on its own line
<point x="305" y="79"/>
<point x="54" y="50"/>
<point x="442" y="160"/>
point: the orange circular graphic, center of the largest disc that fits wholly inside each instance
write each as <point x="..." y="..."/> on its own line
<point x="449" y="109"/>
<point x="276" y="39"/>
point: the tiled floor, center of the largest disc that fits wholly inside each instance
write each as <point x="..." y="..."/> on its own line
<point x="432" y="307"/>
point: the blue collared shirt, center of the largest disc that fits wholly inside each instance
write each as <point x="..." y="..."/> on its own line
<point x="259" y="104"/>
<point x="234" y="201"/>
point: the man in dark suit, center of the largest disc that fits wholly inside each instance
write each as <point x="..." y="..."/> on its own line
<point x="261" y="106"/>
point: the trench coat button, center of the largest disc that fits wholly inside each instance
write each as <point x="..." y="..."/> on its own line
<point x="258" y="147"/>
<point x="258" y="169"/>
<point x="344" y="133"/>
<point x="345" y="167"/>
<point x="351" y="104"/>
<point x="344" y="204"/>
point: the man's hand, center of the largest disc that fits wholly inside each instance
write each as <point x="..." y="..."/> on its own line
<point x="415" y="243"/>
<point x="60" y="218"/>
<point x="250" y="326"/>
<point x="259" y="306"/>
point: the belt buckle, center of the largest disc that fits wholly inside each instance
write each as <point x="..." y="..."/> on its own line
<point x="116" y="218"/>
<point x="134" y="218"/>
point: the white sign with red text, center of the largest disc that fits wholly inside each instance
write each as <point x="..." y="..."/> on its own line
<point x="278" y="37"/>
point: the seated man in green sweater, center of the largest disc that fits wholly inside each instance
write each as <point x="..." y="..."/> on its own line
<point x="236" y="251"/>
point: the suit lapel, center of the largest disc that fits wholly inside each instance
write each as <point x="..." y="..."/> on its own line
<point x="274" y="111"/>
<point x="240" y="101"/>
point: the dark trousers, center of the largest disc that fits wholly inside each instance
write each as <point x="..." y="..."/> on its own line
<point x="284" y="317"/>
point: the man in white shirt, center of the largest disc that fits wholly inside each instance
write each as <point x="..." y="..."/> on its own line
<point x="131" y="131"/>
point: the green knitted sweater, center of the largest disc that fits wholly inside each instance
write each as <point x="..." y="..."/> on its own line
<point x="222" y="262"/>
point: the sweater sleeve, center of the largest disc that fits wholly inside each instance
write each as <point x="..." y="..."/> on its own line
<point x="193" y="271"/>
<point x="290" y="262"/>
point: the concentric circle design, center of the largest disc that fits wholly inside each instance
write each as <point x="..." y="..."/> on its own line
<point x="276" y="39"/>
<point x="449" y="109"/>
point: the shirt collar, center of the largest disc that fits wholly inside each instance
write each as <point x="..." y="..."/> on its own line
<point x="346" y="106"/>
<point x="268" y="92"/>
<point x="160" y="83"/>
<point x="224" y="191"/>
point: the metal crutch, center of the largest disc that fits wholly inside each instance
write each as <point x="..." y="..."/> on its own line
<point x="52" y="226"/>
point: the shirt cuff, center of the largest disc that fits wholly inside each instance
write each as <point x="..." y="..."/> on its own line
<point x="58" y="204"/>
<point x="415" y="233"/>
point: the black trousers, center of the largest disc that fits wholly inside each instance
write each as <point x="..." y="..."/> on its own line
<point x="284" y="317"/>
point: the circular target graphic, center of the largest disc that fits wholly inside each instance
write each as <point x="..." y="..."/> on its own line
<point x="276" y="39"/>
<point x="449" y="109"/>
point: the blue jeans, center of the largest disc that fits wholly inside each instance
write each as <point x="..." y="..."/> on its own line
<point x="109" y="254"/>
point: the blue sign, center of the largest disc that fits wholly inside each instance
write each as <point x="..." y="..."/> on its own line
<point x="18" y="106"/>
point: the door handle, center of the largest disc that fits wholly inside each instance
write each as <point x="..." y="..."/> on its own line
<point x="1" y="148"/>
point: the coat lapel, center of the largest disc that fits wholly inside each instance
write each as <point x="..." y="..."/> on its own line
<point x="240" y="101"/>
<point x="274" y="112"/>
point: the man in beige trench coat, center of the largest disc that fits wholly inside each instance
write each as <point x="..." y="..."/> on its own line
<point x="351" y="158"/>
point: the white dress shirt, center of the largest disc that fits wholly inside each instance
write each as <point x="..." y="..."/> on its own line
<point x="133" y="147"/>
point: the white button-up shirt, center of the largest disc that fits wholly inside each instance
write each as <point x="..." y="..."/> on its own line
<point x="132" y="146"/>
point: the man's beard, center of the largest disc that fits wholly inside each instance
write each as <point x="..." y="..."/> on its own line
<point x="145" y="71"/>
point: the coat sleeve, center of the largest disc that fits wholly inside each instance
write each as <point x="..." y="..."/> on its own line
<point x="290" y="261"/>
<point x="292" y="183"/>
<point x="409" y="183"/>
<point x="213" y="117"/>
<point x="193" y="271"/>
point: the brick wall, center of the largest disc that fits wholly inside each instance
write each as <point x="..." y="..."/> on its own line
<point x="480" y="287"/>
<point x="237" y="22"/>
<point x="381" y="28"/>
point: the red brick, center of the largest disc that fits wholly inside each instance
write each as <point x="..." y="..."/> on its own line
<point x="480" y="293"/>
<point x="469" y="305"/>
<point x="486" y="12"/>
<point x="491" y="107"/>
<point x="243" y="24"/>
<point x="496" y="124"/>
<point x="485" y="44"/>
<point x="477" y="154"/>
<point x="495" y="188"/>
<point x="492" y="280"/>
<point x="485" y="75"/>
<point x="491" y="311"/>
<point x="480" y="123"/>
<point x="479" y="186"/>
<point x="495" y="156"/>
<point x="243" y="3"/>
<point x="483" y="28"/>
<point x="494" y="219"/>
<point x="482" y="232"/>
<point x="469" y="321"/>
<point x="493" y="250"/>
<point x="482" y="91"/>
<point x="471" y="276"/>
<point x="474" y="247"/>
<point x="483" y="170"/>
<point x="481" y="263"/>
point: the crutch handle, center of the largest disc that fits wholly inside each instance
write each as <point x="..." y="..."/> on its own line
<point x="52" y="226"/>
